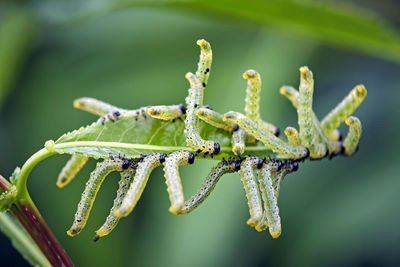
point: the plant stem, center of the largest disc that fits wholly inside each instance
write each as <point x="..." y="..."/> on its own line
<point x="29" y="217"/>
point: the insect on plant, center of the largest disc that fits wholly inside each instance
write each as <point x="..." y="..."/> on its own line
<point x="135" y="142"/>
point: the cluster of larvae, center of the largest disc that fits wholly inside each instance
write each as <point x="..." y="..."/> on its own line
<point x="261" y="177"/>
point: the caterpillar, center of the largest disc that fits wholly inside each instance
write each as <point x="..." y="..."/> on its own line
<point x="173" y="180"/>
<point x="112" y="220"/>
<point x="261" y="174"/>
<point x="89" y="194"/>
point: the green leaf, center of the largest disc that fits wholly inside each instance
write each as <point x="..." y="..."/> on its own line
<point x="22" y="241"/>
<point x="346" y="26"/>
<point x="130" y="137"/>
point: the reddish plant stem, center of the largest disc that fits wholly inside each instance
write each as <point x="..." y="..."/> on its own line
<point x="30" y="218"/>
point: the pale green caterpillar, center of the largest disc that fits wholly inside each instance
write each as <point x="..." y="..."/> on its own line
<point x="71" y="169"/>
<point x="173" y="180"/>
<point x="270" y="198"/>
<point x="305" y="118"/>
<point x="207" y="186"/>
<point x="252" y="107"/>
<point x="353" y="137"/>
<point x="89" y="194"/>
<point x="204" y="65"/>
<point x="344" y="109"/>
<point x="334" y="147"/>
<point x="112" y="220"/>
<point x="142" y="175"/>
<point x="249" y="181"/>
<point x="267" y="138"/>
<point x="167" y="113"/>
<point x="193" y="102"/>
<point x="94" y="106"/>
<point x="215" y="119"/>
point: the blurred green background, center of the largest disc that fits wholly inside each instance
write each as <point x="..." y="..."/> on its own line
<point x="342" y="212"/>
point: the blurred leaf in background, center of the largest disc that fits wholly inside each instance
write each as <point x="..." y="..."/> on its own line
<point x="339" y="212"/>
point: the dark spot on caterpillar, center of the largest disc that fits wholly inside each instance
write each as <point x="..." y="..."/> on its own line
<point x="236" y="128"/>
<point x="260" y="163"/>
<point x="207" y="70"/>
<point x="195" y="105"/>
<point x="204" y="84"/>
<point x="125" y="164"/>
<point x="183" y="108"/>
<point x="295" y="166"/>
<point x="116" y="113"/>
<point x="277" y="132"/>
<point x="191" y="158"/>
<point x="237" y="165"/>
<point x="96" y="238"/>
<point x="207" y="107"/>
<point x="162" y="157"/>
<point x="217" y="148"/>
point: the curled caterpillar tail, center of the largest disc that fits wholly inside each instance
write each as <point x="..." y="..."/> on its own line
<point x="167" y="113"/>
<point x="249" y="181"/>
<point x="208" y="185"/>
<point x="71" y="169"/>
<point x="350" y="143"/>
<point x="305" y="116"/>
<point x="112" y="220"/>
<point x="89" y="194"/>
<point x="173" y="179"/>
<point x="344" y="109"/>
<point x="143" y="171"/>
<point x="94" y="106"/>
<point x="269" y="140"/>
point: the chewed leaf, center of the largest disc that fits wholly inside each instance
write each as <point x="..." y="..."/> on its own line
<point x="133" y="135"/>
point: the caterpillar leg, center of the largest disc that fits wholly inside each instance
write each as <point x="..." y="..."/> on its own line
<point x="167" y="113"/>
<point x="112" y="220"/>
<point x="207" y="186"/>
<point x="173" y="180"/>
<point x="143" y="171"/>
<point x="269" y="140"/>
<point x="250" y="186"/>
<point x="252" y="107"/>
<point x="193" y="102"/>
<point x="71" y="169"/>
<point x="89" y="194"/>
<point x="344" y="109"/>
<point x="305" y="115"/>
<point x="331" y="142"/>
<point x="350" y="143"/>
<point x="266" y="175"/>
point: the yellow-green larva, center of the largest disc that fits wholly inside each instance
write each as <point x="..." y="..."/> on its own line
<point x="89" y="194"/>
<point x="350" y="143"/>
<point x="193" y="102"/>
<point x="173" y="179"/>
<point x="270" y="199"/>
<point x="344" y="109"/>
<point x="252" y="101"/>
<point x="112" y="220"/>
<point x="334" y="147"/>
<point x="136" y="188"/>
<point x="238" y="141"/>
<point x="204" y="65"/>
<point x="71" y="169"/>
<point x="94" y="106"/>
<point x="305" y="115"/>
<point x="207" y="186"/>
<point x="215" y="119"/>
<point x="293" y="136"/>
<point x="167" y="113"/>
<point x="249" y="181"/>
<point x="267" y="138"/>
